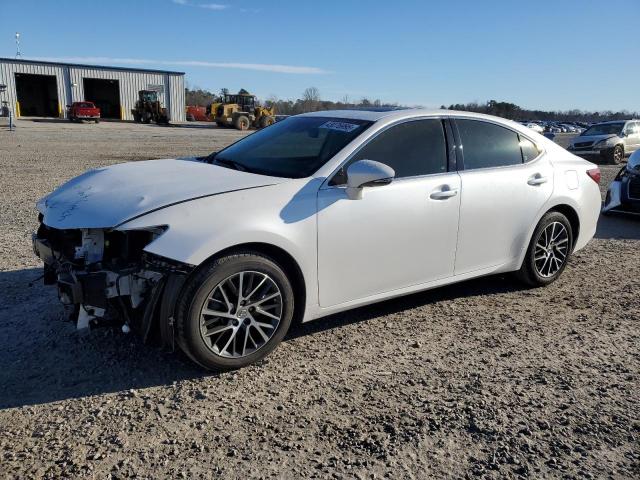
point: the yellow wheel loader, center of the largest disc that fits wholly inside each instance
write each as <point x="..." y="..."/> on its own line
<point x="242" y="112"/>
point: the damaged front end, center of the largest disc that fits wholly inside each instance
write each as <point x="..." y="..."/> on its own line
<point x="105" y="277"/>
<point x="623" y="195"/>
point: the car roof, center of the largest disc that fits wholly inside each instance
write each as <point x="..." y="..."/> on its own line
<point x="396" y="114"/>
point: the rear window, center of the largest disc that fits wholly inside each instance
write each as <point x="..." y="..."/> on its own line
<point x="85" y="105"/>
<point x="529" y="149"/>
<point x="486" y="145"/>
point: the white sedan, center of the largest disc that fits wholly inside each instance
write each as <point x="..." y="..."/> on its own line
<point x="314" y="215"/>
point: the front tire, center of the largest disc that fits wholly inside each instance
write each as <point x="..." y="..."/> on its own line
<point x="548" y="251"/>
<point x="242" y="123"/>
<point x="617" y="155"/>
<point x="234" y="311"/>
<point x="266" y="122"/>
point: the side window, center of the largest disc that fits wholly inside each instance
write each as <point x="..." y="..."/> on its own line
<point x="529" y="149"/>
<point x="486" y="145"/>
<point x="631" y="128"/>
<point x="411" y="148"/>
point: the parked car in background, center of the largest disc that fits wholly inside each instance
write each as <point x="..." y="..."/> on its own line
<point x="319" y="213"/>
<point x="623" y="194"/>
<point x="78" y="111"/>
<point x="608" y="141"/>
<point x="562" y="128"/>
<point x="533" y="126"/>
<point x="570" y="128"/>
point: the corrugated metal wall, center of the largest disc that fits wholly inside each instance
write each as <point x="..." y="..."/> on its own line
<point x="69" y="79"/>
<point x="8" y="78"/>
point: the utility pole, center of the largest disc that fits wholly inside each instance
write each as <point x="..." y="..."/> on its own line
<point x="18" y="54"/>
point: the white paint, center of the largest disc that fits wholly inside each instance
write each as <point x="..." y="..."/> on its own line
<point x="397" y="239"/>
<point x="106" y="197"/>
<point x="571" y="177"/>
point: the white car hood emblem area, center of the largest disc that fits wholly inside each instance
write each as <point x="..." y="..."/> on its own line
<point x="107" y="197"/>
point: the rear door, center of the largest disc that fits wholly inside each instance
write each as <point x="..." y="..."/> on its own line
<point x="505" y="182"/>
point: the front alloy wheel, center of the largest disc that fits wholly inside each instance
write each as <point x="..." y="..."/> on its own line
<point x="234" y="311"/>
<point x="617" y="156"/>
<point x="241" y="314"/>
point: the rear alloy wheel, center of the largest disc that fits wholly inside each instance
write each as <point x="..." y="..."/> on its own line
<point x="617" y="156"/>
<point x="235" y="311"/>
<point x="548" y="250"/>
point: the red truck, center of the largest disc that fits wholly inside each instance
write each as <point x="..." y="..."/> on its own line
<point x="79" y="111"/>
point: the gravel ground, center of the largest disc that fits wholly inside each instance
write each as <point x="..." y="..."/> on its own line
<point x="483" y="378"/>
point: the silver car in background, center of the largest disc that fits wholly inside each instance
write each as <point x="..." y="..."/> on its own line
<point x="608" y="142"/>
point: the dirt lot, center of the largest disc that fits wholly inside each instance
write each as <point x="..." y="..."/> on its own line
<point x="483" y="378"/>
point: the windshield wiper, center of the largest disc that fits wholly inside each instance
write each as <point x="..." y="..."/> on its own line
<point x="225" y="162"/>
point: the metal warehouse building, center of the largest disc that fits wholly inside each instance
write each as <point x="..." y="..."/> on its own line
<point x="44" y="89"/>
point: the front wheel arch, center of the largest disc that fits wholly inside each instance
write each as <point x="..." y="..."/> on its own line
<point x="284" y="258"/>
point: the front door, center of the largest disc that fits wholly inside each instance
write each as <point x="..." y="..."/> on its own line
<point x="397" y="235"/>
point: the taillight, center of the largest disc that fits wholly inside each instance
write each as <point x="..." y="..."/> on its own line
<point x="594" y="173"/>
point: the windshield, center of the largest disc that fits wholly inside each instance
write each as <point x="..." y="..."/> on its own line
<point x="293" y="148"/>
<point x="604" y="129"/>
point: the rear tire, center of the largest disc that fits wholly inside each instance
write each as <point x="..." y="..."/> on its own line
<point x="548" y="251"/>
<point x="242" y="123"/>
<point x="215" y="289"/>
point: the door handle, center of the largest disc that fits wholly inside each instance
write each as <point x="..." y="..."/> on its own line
<point x="443" y="194"/>
<point x="537" y="179"/>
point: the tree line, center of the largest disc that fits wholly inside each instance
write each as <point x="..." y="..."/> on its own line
<point x="514" y="112"/>
<point x="311" y="101"/>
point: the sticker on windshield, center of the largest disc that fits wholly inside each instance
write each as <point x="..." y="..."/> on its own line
<point x="340" y="126"/>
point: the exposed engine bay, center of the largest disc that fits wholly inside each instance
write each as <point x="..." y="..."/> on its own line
<point x="105" y="277"/>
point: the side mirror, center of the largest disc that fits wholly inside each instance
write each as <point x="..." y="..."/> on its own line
<point x="367" y="173"/>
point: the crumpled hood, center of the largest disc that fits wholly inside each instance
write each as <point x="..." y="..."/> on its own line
<point x="591" y="138"/>
<point x="106" y="197"/>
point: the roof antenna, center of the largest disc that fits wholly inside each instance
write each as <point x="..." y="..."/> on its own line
<point x="18" y="54"/>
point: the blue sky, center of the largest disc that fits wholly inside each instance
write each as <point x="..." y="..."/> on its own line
<point x="548" y="54"/>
